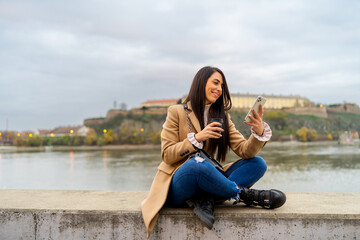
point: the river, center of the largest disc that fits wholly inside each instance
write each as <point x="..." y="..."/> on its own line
<point x="291" y="168"/>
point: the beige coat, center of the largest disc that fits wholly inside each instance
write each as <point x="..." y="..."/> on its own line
<point x="175" y="149"/>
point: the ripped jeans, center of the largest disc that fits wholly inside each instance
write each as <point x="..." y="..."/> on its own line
<point x="193" y="177"/>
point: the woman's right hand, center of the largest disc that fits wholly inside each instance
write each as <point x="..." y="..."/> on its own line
<point x="212" y="130"/>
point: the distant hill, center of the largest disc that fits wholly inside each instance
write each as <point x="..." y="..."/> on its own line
<point x="281" y="122"/>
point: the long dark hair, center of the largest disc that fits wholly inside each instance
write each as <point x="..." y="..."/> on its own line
<point x="218" y="109"/>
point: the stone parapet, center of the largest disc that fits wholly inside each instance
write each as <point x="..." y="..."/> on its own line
<point x="38" y="214"/>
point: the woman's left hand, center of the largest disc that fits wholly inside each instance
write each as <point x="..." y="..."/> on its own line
<point x="257" y="122"/>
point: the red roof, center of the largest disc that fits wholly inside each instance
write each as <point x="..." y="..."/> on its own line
<point x="163" y="101"/>
<point x="44" y="131"/>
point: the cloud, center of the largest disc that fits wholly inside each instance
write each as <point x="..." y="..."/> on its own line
<point x="61" y="63"/>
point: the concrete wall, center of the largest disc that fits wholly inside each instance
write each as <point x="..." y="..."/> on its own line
<point x="33" y="214"/>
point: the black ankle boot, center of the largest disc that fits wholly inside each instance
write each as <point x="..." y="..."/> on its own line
<point x="203" y="207"/>
<point x="265" y="198"/>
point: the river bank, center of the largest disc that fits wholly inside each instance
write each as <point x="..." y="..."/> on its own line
<point x="142" y="146"/>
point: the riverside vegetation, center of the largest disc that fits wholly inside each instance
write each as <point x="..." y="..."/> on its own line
<point x="146" y="129"/>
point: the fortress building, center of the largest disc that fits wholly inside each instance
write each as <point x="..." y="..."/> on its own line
<point x="160" y="103"/>
<point x="243" y="102"/>
<point x="246" y="101"/>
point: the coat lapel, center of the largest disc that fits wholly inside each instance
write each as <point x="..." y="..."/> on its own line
<point x="193" y="119"/>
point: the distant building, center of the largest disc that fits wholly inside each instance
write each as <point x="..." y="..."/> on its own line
<point x="25" y="134"/>
<point x="43" y="132"/>
<point x="82" y="131"/>
<point x="246" y="101"/>
<point x="294" y="104"/>
<point x="62" y="131"/>
<point x="164" y="103"/>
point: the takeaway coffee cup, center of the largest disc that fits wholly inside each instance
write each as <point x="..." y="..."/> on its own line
<point x="219" y="120"/>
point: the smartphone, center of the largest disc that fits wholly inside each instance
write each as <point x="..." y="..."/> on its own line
<point x="259" y="101"/>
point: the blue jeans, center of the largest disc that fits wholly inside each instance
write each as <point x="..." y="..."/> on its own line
<point x="193" y="177"/>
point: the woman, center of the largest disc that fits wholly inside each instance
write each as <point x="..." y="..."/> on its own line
<point x="185" y="179"/>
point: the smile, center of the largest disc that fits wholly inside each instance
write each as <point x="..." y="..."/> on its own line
<point x="216" y="95"/>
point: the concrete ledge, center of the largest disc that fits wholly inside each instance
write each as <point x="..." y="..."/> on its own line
<point x="37" y="214"/>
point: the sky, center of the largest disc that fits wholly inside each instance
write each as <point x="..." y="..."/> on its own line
<point x="64" y="61"/>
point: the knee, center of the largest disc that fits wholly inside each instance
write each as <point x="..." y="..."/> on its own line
<point x="260" y="163"/>
<point x="194" y="165"/>
<point x="200" y="168"/>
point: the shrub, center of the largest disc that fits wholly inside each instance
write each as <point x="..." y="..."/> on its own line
<point x="67" y="139"/>
<point x="76" y="140"/>
<point x="90" y="139"/>
<point x="306" y="135"/>
<point x="35" y="141"/>
<point x="20" y="142"/>
<point x="108" y="137"/>
<point x="100" y="141"/>
<point x="155" y="137"/>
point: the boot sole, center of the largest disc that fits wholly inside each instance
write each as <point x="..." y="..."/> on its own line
<point x="207" y="221"/>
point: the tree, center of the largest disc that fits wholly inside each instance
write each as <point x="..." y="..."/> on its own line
<point x="311" y="135"/>
<point x="90" y="140"/>
<point x="77" y="140"/>
<point x="20" y="141"/>
<point x="100" y="141"/>
<point x="91" y="137"/>
<point x="306" y="135"/>
<point x="66" y="140"/>
<point x="35" y="141"/>
<point x="108" y="137"/>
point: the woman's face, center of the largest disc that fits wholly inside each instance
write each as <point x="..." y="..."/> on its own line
<point x="213" y="88"/>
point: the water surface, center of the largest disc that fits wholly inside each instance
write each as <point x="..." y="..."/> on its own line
<point x="327" y="168"/>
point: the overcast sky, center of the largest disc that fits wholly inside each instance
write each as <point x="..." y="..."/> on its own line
<point x="64" y="61"/>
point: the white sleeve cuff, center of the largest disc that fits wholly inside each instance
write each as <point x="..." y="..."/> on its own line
<point x="266" y="135"/>
<point x="192" y="139"/>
